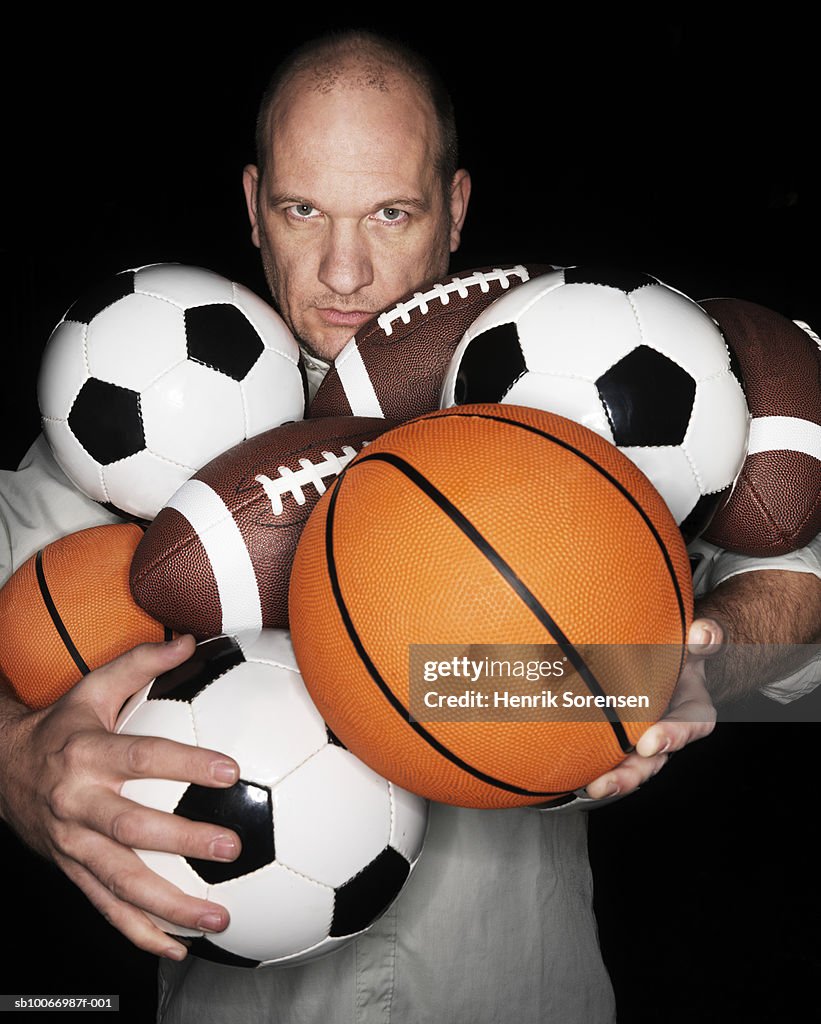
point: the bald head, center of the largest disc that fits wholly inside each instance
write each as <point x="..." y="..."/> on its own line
<point x="355" y="61"/>
<point x="355" y="70"/>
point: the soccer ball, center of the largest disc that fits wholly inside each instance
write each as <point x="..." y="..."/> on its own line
<point x="627" y="356"/>
<point x="327" y="844"/>
<point x="156" y="371"/>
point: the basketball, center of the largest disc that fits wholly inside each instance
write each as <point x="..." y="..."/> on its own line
<point x="490" y="605"/>
<point x="69" y="610"/>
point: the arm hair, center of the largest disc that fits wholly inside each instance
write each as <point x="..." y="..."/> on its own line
<point x="766" y="616"/>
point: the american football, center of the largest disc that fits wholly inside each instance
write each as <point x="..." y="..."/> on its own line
<point x="217" y="557"/>
<point x="775" y="506"/>
<point x="394" y="365"/>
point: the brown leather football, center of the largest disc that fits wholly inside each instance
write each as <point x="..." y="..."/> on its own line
<point x="395" y="363"/>
<point x="775" y="506"/>
<point x="217" y="558"/>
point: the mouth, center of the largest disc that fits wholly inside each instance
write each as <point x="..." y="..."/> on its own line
<point x="350" y="318"/>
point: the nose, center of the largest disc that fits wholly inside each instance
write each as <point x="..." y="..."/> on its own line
<point x="346" y="265"/>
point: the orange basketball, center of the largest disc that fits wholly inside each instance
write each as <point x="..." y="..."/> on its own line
<point x="68" y="610"/>
<point x="485" y="536"/>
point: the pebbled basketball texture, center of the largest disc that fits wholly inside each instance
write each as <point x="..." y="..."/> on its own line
<point x="68" y="610"/>
<point x="395" y="364"/>
<point x="775" y="506"/>
<point x="481" y="526"/>
<point x="217" y="558"/>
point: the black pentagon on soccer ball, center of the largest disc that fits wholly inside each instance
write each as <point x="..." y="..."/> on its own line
<point x="624" y="279"/>
<point x="100" y="296"/>
<point x="221" y="336"/>
<point x="210" y="660"/>
<point x="648" y="399"/>
<point x="205" y="949"/>
<point x="491" y="364"/>
<point x="360" y="901"/>
<point x="107" y="421"/>
<point x="245" y="808"/>
<point x="702" y="513"/>
<point x="334" y="740"/>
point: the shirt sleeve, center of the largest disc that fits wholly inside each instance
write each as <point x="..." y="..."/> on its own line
<point x="38" y="504"/>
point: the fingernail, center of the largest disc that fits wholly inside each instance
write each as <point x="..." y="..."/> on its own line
<point x="224" y="771"/>
<point x="224" y="848"/>
<point x="612" y="789"/>
<point x="210" y="923"/>
<point x="699" y="635"/>
<point x="175" y="953"/>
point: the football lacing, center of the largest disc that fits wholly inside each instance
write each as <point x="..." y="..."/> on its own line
<point x="805" y="327"/>
<point x="292" y="482"/>
<point x="442" y="292"/>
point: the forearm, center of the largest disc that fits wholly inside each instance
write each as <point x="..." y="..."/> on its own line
<point x="12" y="714"/>
<point x="766" y="616"/>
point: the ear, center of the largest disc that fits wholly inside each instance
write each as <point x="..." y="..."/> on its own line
<point x="459" y="196"/>
<point x="250" y="183"/>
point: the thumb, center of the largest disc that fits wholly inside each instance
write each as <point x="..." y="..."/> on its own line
<point x="705" y="637"/>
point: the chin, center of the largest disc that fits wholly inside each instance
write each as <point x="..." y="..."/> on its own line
<point x="328" y="346"/>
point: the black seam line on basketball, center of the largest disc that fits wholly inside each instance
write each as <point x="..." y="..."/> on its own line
<point x="611" y="479"/>
<point x="59" y="625"/>
<point x="620" y="487"/>
<point x="387" y="692"/>
<point x="508" y="574"/>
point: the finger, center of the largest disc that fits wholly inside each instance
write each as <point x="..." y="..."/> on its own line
<point x="145" y="828"/>
<point x="110" y="686"/>
<point x="116" y="757"/>
<point x="124" y="875"/>
<point x="627" y="777"/>
<point x="125" y="891"/>
<point x="690" y="716"/>
<point x="154" y="757"/>
<point x="129" y="921"/>
<point x="690" y="721"/>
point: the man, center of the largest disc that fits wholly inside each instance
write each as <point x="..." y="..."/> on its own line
<point x="356" y="197"/>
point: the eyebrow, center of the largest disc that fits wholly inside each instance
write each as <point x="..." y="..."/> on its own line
<point x="411" y="201"/>
<point x="279" y="198"/>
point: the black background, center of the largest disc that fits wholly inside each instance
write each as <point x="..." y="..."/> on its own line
<point x="684" y="147"/>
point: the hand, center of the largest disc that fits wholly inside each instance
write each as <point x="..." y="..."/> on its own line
<point x="690" y="716"/>
<point x="62" y="769"/>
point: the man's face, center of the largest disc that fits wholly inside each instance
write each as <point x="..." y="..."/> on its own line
<point x="351" y="213"/>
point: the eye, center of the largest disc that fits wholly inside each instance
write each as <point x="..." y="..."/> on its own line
<point x="303" y="211"/>
<point x="391" y="215"/>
